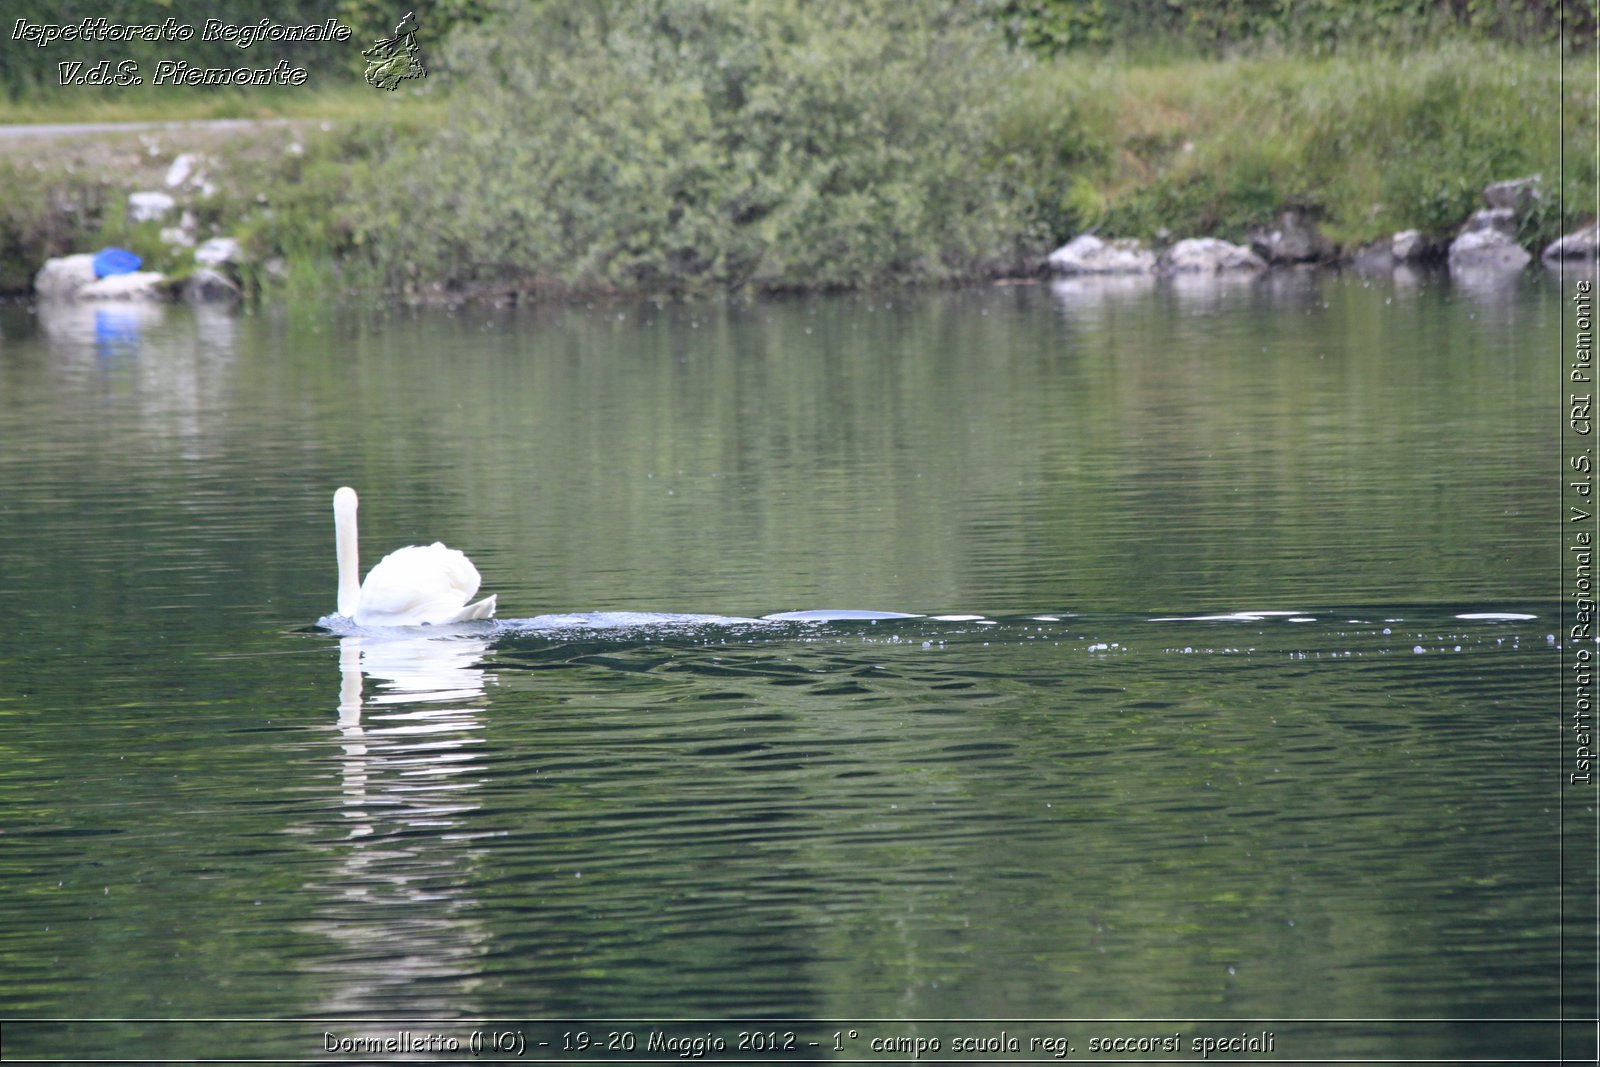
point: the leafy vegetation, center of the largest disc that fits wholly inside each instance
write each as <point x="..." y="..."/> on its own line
<point x="1308" y="27"/>
<point x="775" y="144"/>
<point x="708" y="143"/>
<point x="46" y="213"/>
<point x="1369" y="144"/>
<point x="353" y="101"/>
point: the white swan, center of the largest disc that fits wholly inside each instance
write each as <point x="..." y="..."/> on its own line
<point x="411" y="586"/>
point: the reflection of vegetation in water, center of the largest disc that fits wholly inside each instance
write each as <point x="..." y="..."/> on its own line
<point x="1006" y="450"/>
<point x="964" y="821"/>
<point x="1152" y="830"/>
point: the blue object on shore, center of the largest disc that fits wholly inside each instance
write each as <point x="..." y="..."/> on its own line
<point x="109" y="261"/>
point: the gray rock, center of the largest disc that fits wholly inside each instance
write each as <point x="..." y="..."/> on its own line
<point x="1294" y="239"/>
<point x="1514" y="194"/>
<point x="1581" y="244"/>
<point x="1412" y="246"/>
<point x="1375" y="258"/>
<point x="1487" y="249"/>
<point x="135" y="286"/>
<point x="1088" y="254"/>
<point x="1209" y="255"/>
<point x="1500" y="219"/>
<point x="182" y="167"/>
<point x="63" y="276"/>
<point x="208" y="287"/>
<point x="218" y="252"/>
<point x="189" y="171"/>
<point x="143" y="207"/>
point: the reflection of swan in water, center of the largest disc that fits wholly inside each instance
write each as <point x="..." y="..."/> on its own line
<point x="413" y="586"/>
<point x="395" y="899"/>
<point x="412" y="669"/>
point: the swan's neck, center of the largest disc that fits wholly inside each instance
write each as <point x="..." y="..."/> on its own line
<point x="344" y="532"/>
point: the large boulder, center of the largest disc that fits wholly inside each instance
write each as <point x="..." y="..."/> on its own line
<point x="136" y="285"/>
<point x="1581" y="244"/>
<point x="1500" y="219"/>
<point x="1514" y="194"/>
<point x="62" y="277"/>
<point x="1210" y="255"/>
<point x="1294" y="239"/>
<point x="1488" y="240"/>
<point x="1487" y="249"/>
<point x="1088" y="254"/>
<point x="1413" y="246"/>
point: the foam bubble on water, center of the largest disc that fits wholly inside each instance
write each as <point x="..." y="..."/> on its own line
<point x="1239" y="616"/>
<point x="832" y="615"/>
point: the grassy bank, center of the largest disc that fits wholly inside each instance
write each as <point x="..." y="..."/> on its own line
<point x="1366" y="144"/>
<point x="698" y="149"/>
<point x="348" y="100"/>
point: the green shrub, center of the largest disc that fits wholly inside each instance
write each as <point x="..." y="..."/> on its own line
<point x="1216" y="27"/>
<point x="709" y="144"/>
<point x="46" y="212"/>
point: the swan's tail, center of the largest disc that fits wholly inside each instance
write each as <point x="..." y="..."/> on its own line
<point x="483" y="609"/>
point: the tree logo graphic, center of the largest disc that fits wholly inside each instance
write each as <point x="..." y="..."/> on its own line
<point x="392" y="60"/>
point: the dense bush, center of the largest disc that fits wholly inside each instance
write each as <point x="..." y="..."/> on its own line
<point x="46" y="212"/>
<point x="709" y="143"/>
<point x="1306" y="26"/>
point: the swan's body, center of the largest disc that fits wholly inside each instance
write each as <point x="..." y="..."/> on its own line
<point x="413" y="586"/>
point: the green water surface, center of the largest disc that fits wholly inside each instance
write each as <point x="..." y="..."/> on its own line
<point x="1086" y="786"/>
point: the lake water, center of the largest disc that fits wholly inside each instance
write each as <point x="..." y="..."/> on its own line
<point x="1231" y="709"/>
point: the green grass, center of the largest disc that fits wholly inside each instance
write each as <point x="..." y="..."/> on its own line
<point x="1368" y="144"/>
<point x="354" y="102"/>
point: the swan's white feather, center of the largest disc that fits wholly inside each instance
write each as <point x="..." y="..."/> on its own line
<point x="413" y="586"/>
<point x="419" y="585"/>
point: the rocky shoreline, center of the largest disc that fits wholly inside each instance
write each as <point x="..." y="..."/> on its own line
<point x="1486" y="243"/>
<point x="213" y="276"/>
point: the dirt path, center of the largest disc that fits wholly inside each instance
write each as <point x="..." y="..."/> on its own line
<point x="93" y="129"/>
